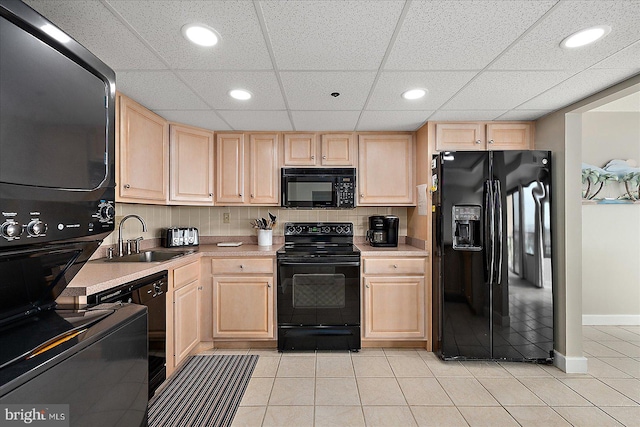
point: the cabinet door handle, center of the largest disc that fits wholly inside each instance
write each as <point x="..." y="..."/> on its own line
<point x="268" y="285"/>
<point x="395" y="265"/>
<point x="478" y="141"/>
<point x="240" y="194"/>
<point x="313" y="157"/>
<point x="491" y="141"/>
<point x="127" y="186"/>
<point x="210" y="194"/>
<point x="199" y="288"/>
<point x="252" y="196"/>
<point x="362" y="195"/>
<point x="366" y="286"/>
<point x="324" y="157"/>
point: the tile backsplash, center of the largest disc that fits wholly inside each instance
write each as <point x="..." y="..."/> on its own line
<point x="209" y="220"/>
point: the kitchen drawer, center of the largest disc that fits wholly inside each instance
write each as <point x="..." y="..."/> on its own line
<point x="186" y="274"/>
<point x="394" y="266"/>
<point x="241" y="265"/>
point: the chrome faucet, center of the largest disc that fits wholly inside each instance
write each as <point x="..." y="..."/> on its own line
<point x="121" y="251"/>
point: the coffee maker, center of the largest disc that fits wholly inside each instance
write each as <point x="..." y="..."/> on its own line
<point x="383" y="231"/>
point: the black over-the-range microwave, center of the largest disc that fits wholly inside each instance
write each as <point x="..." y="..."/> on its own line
<point x="57" y="126"/>
<point x="329" y="188"/>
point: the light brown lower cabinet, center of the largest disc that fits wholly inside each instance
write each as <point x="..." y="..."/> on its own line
<point x="394" y="299"/>
<point x="185" y="299"/>
<point x="243" y="307"/>
<point x="243" y="298"/>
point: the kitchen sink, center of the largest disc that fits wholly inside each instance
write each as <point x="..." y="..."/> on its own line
<point x="149" y="256"/>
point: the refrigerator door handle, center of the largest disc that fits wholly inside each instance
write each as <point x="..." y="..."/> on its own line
<point x="489" y="230"/>
<point x="499" y="238"/>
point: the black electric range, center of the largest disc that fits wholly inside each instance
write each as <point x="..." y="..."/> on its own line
<point x="318" y="288"/>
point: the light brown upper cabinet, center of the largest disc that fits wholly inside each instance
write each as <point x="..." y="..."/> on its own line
<point x="264" y="173"/>
<point x="484" y="136"/>
<point x="247" y="175"/>
<point x="386" y="170"/>
<point x="142" y="154"/>
<point x="300" y="149"/>
<point x="229" y="168"/>
<point x="335" y="149"/>
<point x="191" y="164"/>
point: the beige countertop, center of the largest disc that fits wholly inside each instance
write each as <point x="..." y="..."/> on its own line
<point x="98" y="275"/>
<point x="402" y="250"/>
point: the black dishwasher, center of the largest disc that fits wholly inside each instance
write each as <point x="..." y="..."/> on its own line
<point x="150" y="291"/>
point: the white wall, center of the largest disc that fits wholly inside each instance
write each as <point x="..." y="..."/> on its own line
<point x="561" y="132"/>
<point x="610" y="233"/>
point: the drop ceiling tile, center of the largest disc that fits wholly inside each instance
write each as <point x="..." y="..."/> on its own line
<point x="97" y="29"/>
<point x="309" y="90"/>
<point x="576" y="88"/>
<point x="540" y="49"/>
<point x="241" y="46"/>
<point x="392" y="120"/>
<point x="330" y="35"/>
<point x="213" y="86"/>
<point x="441" y="86"/>
<point x="463" y="115"/>
<point x="158" y="90"/>
<point x="628" y="57"/>
<point x="206" y="119"/>
<point x="460" y="35"/>
<point x="325" y="120"/>
<point x="257" y="120"/>
<point x="524" y="114"/>
<point x="504" y="90"/>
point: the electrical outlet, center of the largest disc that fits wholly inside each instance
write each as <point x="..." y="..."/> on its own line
<point x="225" y="218"/>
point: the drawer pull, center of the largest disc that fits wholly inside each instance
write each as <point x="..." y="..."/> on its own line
<point x="395" y="265"/>
<point x="127" y="186"/>
<point x="241" y="266"/>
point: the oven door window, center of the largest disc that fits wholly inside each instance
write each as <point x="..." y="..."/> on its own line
<point x="310" y="192"/>
<point x="318" y="291"/>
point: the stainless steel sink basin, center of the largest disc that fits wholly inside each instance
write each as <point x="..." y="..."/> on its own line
<point x="149" y="256"/>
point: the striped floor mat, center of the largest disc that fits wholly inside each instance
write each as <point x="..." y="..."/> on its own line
<point x="206" y="391"/>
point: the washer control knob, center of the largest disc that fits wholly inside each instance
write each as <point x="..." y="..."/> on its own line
<point x="36" y="227"/>
<point x="106" y="212"/>
<point x="10" y="229"/>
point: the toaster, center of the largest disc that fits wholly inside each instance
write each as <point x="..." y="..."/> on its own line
<point x="180" y="236"/>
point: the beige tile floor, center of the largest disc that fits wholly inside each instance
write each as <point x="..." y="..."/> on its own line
<point x="392" y="387"/>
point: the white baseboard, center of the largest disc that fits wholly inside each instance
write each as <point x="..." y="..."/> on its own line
<point x="611" y="319"/>
<point x="570" y="365"/>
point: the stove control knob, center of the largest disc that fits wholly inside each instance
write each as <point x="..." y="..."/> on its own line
<point x="10" y="229"/>
<point x="36" y="227"/>
<point x="326" y="229"/>
<point x="290" y="229"/>
<point x="106" y="212"/>
<point x="339" y="229"/>
<point x="299" y="229"/>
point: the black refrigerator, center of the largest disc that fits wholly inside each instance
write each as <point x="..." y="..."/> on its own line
<point x="492" y="273"/>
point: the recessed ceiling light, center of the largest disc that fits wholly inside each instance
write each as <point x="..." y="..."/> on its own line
<point x="240" y="94"/>
<point x="200" y="34"/>
<point x="55" y="33"/>
<point x="585" y="37"/>
<point x="414" y="94"/>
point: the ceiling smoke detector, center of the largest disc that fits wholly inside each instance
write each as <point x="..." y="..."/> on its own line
<point x="200" y="34"/>
<point x="585" y="37"/>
